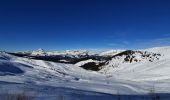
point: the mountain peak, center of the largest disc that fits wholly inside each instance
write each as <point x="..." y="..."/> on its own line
<point x="39" y="52"/>
<point x="40" y="49"/>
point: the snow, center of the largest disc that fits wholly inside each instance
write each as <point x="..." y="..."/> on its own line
<point x="85" y="62"/>
<point x="70" y="53"/>
<point x="123" y="77"/>
<point x="39" y="52"/>
<point x="75" y="53"/>
<point x="165" y="51"/>
<point x="110" y="52"/>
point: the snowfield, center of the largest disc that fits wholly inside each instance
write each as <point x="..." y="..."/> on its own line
<point x="137" y="77"/>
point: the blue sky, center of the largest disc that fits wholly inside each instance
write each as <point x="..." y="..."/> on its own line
<point x="83" y="24"/>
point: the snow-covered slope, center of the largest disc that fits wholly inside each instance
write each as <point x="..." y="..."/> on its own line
<point x="150" y="65"/>
<point x="110" y="52"/>
<point x="128" y="72"/>
<point x="130" y="57"/>
<point x="85" y="62"/>
<point x="165" y="51"/>
<point x="38" y="72"/>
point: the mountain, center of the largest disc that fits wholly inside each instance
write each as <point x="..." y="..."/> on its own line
<point x="42" y="52"/>
<point x="128" y="72"/>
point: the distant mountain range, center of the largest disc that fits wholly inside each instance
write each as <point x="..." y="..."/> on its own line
<point x="91" y="61"/>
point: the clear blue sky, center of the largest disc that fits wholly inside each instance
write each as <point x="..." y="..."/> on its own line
<point x="83" y="24"/>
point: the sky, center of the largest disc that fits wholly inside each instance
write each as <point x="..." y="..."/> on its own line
<point x="83" y="24"/>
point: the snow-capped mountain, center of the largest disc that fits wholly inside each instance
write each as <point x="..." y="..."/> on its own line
<point x="42" y="52"/>
<point x="129" y="72"/>
<point x="77" y="52"/>
<point x="39" y="52"/>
